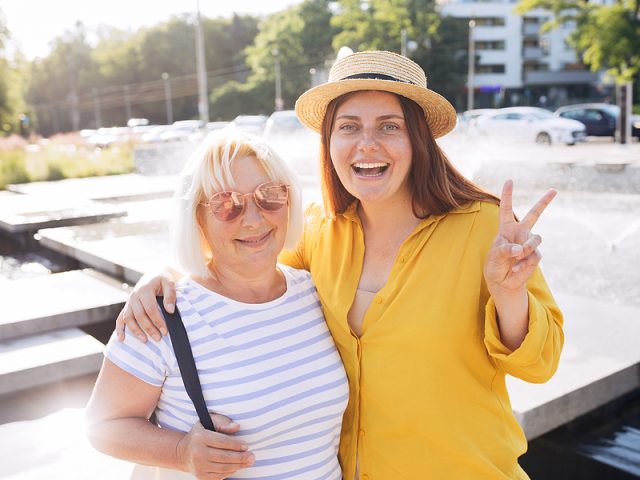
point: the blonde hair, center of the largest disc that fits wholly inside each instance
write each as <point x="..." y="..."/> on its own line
<point x="208" y="171"/>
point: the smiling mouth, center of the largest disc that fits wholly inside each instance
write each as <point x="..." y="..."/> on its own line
<point x="370" y="169"/>
<point x="255" y="241"/>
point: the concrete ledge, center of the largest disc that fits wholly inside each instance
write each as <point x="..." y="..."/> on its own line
<point x="24" y="213"/>
<point x="61" y="300"/>
<point x="123" y="251"/>
<point x="600" y="362"/>
<point x="111" y="187"/>
<point x="42" y="359"/>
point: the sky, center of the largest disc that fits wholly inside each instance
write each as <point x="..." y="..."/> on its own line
<point x="34" y="23"/>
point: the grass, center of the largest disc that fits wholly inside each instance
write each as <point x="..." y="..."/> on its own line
<point x="55" y="161"/>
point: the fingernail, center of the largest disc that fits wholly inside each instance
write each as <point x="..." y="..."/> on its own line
<point x="171" y="308"/>
<point x="163" y="331"/>
<point x="232" y="425"/>
<point x="250" y="458"/>
<point x="516" y="250"/>
<point x="142" y="338"/>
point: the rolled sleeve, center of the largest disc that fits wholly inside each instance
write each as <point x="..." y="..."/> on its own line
<point x="536" y="359"/>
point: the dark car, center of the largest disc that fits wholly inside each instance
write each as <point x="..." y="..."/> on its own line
<point x="599" y="118"/>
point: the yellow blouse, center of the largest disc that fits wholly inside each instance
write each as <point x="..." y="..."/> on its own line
<point x="427" y="377"/>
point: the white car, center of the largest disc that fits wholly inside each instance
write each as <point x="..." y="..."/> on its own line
<point x="250" y="123"/>
<point x="295" y="143"/>
<point x="529" y="124"/>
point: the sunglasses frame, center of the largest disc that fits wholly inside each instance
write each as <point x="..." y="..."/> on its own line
<point x="243" y="203"/>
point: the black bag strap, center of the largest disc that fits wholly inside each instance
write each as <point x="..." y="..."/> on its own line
<point x="186" y="363"/>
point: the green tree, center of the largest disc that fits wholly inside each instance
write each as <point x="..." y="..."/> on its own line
<point x="301" y="37"/>
<point x="5" y="107"/>
<point x="371" y="25"/>
<point x="438" y="43"/>
<point x="607" y="35"/>
<point x="58" y="80"/>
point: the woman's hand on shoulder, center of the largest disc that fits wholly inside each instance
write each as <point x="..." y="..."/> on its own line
<point x="141" y="314"/>
<point x="213" y="455"/>
<point x="514" y="254"/>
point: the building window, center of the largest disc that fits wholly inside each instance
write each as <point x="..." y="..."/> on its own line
<point x="490" y="69"/>
<point x="545" y="45"/>
<point x="575" y="67"/>
<point x="535" y="67"/>
<point x="490" y="45"/>
<point x="533" y="20"/>
<point x="488" y="21"/>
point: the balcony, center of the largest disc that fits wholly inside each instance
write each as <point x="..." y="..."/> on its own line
<point x="561" y="77"/>
<point x="531" y="29"/>
<point x="532" y="53"/>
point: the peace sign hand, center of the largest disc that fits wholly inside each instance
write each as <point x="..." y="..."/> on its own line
<point x="514" y="254"/>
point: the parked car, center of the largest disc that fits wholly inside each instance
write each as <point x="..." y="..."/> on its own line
<point x="154" y="134"/>
<point x="218" y="125"/>
<point x="295" y="143"/>
<point x="107" y="136"/>
<point x="529" y="124"/>
<point x="250" y="123"/>
<point x="599" y="118"/>
<point x="467" y="119"/>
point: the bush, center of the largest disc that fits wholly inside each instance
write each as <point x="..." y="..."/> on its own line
<point x="55" y="161"/>
<point x="13" y="168"/>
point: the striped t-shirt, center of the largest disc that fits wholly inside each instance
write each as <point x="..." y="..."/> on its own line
<point x="271" y="367"/>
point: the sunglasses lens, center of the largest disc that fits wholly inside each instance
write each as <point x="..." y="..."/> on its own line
<point x="272" y="196"/>
<point x="226" y="205"/>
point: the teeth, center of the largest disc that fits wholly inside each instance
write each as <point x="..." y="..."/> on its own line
<point x="370" y="165"/>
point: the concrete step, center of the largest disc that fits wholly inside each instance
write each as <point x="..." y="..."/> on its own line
<point x="68" y="299"/>
<point x="28" y="213"/>
<point x="36" y="360"/>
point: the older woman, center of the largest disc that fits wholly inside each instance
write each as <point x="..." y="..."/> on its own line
<point x="430" y="287"/>
<point x="262" y="349"/>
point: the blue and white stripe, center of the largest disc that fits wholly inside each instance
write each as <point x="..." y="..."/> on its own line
<point x="271" y="367"/>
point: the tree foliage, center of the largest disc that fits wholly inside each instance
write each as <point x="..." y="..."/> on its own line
<point x="300" y="37"/>
<point x="607" y="35"/>
<point x="439" y="42"/>
<point x="107" y="75"/>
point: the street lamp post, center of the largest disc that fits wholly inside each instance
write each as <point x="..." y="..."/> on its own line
<point x="471" y="66"/>
<point x="279" y="103"/>
<point x="96" y="108"/>
<point x="203" y="101"/>
<point x="167" y="98"/>
<point x="127" y="102"/>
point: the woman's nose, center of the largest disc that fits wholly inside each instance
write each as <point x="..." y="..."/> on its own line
<point x="368" y="140"/>
<point x="252" y="214"/>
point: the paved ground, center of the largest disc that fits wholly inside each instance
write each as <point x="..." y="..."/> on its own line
<point x="590" y="250"/>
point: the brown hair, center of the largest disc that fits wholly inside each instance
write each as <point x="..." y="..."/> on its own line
<point x="436" y="185"/>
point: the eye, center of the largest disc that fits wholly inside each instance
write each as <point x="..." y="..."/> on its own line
<point x="347" y="127"/>
<point x="390" y="127"/>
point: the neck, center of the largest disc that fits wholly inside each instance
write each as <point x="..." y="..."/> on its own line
<point x="388" y="216"/>
<point x="249" y="285"/>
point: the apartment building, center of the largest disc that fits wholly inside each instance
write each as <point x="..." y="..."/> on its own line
<point x="517" y="64"/>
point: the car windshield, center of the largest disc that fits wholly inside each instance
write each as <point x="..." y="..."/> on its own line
<point x="541" y="114"/>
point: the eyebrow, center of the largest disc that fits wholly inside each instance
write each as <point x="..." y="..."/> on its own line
<point x="381" y="117"/>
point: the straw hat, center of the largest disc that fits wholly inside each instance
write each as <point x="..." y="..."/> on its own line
<point x="377" y="70"/>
